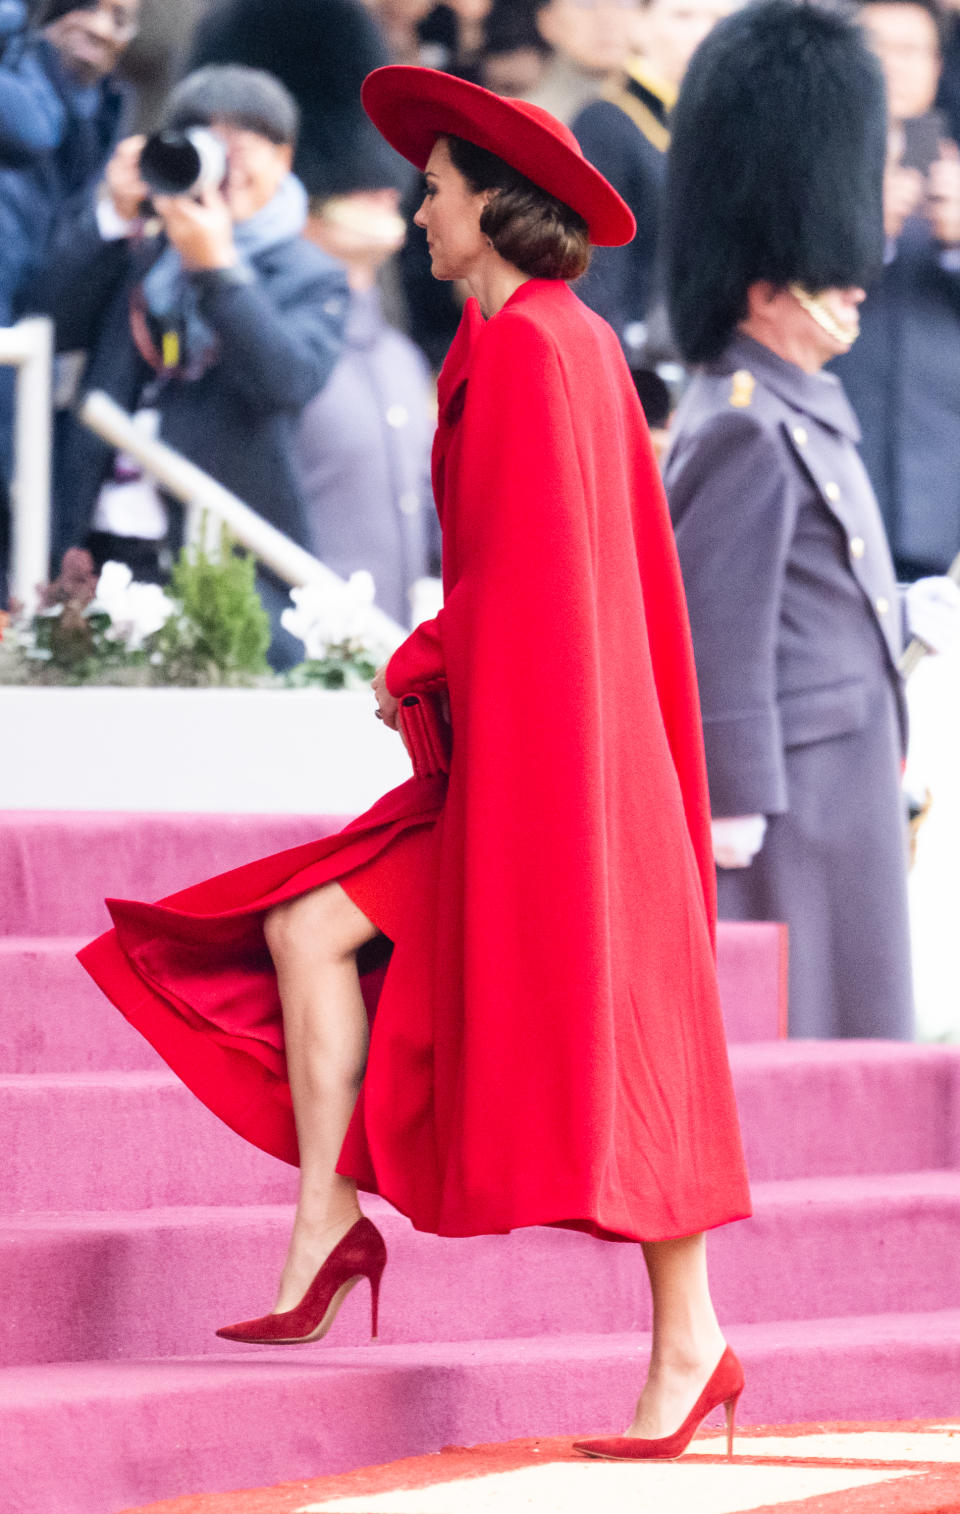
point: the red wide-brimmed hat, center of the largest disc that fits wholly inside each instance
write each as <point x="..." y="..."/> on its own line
<point x="412" y="107"/>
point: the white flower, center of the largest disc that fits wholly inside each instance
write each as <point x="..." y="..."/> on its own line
<point x="327" y="615"/>
<point x="135" y="610"/>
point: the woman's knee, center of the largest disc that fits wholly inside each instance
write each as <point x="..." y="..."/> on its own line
<point x="323" y="925"/>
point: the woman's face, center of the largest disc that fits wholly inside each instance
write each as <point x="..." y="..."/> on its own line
<point x="450" y="215"/>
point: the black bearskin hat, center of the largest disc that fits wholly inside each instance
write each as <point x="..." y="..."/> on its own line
<point x="322" y="50"/>
<point x="775" y="168"/>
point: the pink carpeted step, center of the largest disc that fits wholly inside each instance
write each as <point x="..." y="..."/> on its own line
<point x="157" y="1283"/>
<point x="825" y="1108"/>
<point x="53" y="1017"/>
<point x="93" y="1439"/>
<point x="56" y="869"/>
<point x="137" y="1140"/>
<point x="129" y="1140"/>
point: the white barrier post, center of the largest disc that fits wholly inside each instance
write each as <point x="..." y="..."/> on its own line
<point x="28" y="347"/>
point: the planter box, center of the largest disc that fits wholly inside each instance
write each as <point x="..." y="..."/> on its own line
<point x="229" y="751"/>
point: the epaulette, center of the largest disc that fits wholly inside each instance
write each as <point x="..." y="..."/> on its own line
<point x="742" y="385"/>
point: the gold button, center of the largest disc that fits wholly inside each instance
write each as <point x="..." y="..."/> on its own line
<point x="883" y="605"/>
<point x="858" y="546"/>
<point x="832" y="491"/>
<point x="800" y="436"/>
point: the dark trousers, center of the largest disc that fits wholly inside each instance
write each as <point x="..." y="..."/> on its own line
<point x="149" y="561"/>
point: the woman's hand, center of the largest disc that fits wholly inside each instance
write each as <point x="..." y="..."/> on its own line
<point x="388" y="708"/>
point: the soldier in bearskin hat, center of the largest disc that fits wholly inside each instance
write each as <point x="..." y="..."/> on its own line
<point x="773" y="227"/>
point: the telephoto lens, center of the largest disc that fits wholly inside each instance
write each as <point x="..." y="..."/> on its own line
<point x="183" y="162"/>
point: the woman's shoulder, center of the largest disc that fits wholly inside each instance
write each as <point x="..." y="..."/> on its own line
<point x="542" y="314"/>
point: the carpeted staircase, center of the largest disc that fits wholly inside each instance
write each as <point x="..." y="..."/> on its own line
<point x="134" y="1224"/>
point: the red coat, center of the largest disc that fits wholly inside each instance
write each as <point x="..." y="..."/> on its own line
<point x="547" y="1047"/>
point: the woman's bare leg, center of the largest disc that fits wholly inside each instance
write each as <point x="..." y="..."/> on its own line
<point x="687" y="1340"/>
<point x="314" y="942"/>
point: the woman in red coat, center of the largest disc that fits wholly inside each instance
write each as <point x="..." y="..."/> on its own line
<point x="547" y="1047"/>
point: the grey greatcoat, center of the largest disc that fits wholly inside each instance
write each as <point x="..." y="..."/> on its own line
<point x="797" y="630"/>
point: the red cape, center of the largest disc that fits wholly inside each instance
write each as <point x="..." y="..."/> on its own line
<point x="547" y="1047"/>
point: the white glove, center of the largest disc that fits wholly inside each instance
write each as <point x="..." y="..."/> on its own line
<point x="737" y="839"/>
<point x="933" y="613"/>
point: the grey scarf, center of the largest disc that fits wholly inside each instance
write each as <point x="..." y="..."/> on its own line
<point x="170" y="294"/>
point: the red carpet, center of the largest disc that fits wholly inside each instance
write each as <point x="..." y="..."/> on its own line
<point x="894" y="1468"/>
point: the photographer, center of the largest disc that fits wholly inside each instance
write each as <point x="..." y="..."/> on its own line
<point x="903" y="374"/>
<point x="215" y="332"/>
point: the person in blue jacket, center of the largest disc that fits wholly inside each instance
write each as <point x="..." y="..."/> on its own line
<point x="60" y="116"/>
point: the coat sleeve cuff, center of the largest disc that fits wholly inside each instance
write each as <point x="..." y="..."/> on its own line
<point x="745" y="764"/>
<point x="418" y="662"/>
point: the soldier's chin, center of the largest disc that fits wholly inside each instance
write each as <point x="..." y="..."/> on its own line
<point x="842" y="330"/>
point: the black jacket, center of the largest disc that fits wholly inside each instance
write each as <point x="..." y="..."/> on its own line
<point x="903" y="378"/>
<point x="626" y="136"/>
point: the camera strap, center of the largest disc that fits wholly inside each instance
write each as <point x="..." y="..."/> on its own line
<point x="166" y="356"/>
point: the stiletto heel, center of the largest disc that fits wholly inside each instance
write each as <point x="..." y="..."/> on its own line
<point x="724" y="1387"/>
<point x="375" y="1302"/>
<point x="361" y="1253"/>
<point x="731" y="1410"/>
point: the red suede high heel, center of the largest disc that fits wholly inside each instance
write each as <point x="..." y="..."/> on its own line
<point x="724" y="1387"/>
<point x="361" y="1253"/>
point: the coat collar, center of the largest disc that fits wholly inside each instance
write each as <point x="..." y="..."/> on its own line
<point x="456" y="368"/>
<point x="819" y="395"/>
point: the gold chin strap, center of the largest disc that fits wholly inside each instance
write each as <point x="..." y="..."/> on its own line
<point x="814" y="305"/>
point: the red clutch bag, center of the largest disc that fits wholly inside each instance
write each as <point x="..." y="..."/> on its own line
<point x="427" y="735"/>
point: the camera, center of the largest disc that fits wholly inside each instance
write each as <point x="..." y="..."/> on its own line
<point x="183" y="162"/>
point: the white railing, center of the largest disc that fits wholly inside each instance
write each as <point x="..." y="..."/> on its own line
<point x="28" y="347"/>
<point x="206" y="500"/>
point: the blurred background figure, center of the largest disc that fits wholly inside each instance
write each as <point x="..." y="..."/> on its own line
<point x="591" y="41"/>
<point x="214" y="327"/>
<point x="322" y="50"/>
<point x="362" y="444"/>
<point x="59" y="119"/>
<point x="514" y="54"/>
<point x="453" y="35"/>
<point x="626" y="134"/>
<point x="903" y="375"/>
<point x="400" y="22"/>
<point x="948" y="96"/>
<point x="157" y="57"/>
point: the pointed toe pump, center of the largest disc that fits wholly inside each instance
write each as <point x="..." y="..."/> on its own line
<point x="361" y="1253"/>
<point x="724" y="1387"/>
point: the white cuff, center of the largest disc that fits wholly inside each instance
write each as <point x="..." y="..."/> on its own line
<point x="933" y="613"/>
<point x="112" y="226"/>
<point x="737" y="839"/>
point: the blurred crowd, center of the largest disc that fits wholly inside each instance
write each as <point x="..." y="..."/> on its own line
<point x="278" y="323"/>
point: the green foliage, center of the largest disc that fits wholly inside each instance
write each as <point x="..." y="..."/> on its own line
<point x="221" y="632"/>
<point x="343" y="668"/>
